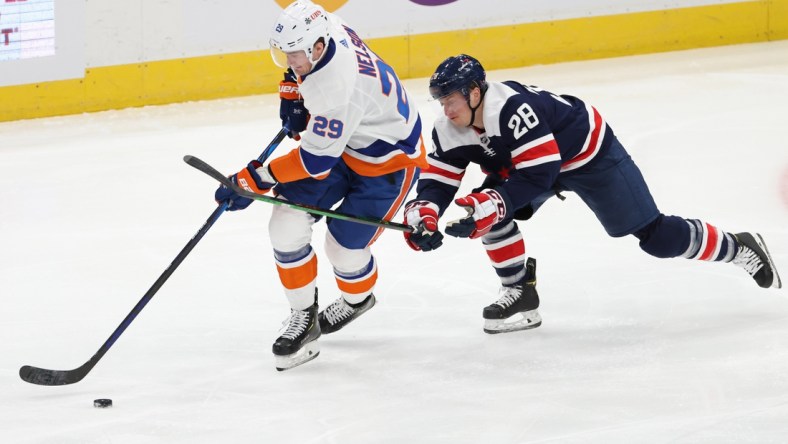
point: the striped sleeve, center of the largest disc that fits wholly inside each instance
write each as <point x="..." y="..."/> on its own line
<point x="442" y="172"/>
<point x="593" y="141"/>
<point x="536" y="152"/>
<point x="440" y="181"/>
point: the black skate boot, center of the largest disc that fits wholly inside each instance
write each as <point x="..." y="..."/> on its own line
<point x="516" y="308"/>
<point x="298" y="344"/>
<point x="754" y="257"/>
<point x="340" y="313"/>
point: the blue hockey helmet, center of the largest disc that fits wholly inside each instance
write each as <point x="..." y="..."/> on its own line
<point x="457" y="73"/>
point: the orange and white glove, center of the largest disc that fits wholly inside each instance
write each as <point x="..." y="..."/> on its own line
<point x="255" y="178"/>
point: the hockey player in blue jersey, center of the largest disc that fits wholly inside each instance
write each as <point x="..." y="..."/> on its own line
<point x="534" y="144"/>
<point x="361" y="151"/>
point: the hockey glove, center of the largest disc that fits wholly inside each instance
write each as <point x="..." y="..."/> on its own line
<point x="492" y="181"/>
<point x="255" y="178"/>
<point x="485" y="209"/>
<point x="424" y="216"/>
<point x="291" y="106"/>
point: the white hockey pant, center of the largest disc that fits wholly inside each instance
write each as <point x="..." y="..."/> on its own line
<point x="291" y="235"/>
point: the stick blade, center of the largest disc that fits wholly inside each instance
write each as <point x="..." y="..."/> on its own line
<point x="205" y="168"/>
<point x="224" y="180"/>
<point x="42" y="376"/>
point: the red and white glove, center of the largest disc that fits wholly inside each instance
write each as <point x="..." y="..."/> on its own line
<point x="485" y="209"/>
<point x="423" y="215"/>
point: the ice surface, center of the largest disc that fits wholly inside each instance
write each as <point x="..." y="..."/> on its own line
<point x="632" y="349"/>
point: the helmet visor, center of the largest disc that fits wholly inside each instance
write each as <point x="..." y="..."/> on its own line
<point x="438" y="92"/>
<point x="296" y="60"/>
<point x="279" y="56"/>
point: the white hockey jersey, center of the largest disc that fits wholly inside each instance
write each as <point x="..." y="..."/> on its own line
<point x="359" y="111"/>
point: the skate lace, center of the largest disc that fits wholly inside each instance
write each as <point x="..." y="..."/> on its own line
<point x="296" y="323"/>
<point x="508" y="296"/>
<point x="338" y="310"/>
<point x="748" y="259"/>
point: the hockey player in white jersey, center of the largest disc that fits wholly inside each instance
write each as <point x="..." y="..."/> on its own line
<point x="361" y="148"/>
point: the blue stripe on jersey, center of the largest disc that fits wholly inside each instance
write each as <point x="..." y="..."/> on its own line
<point x="316" y="165"/>
<point x="381" y="148"/>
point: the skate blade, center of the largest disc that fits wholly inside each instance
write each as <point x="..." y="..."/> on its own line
<point x="525" y="320"/>
<point x="307" y="353"/>
<point x="776" y="282"/>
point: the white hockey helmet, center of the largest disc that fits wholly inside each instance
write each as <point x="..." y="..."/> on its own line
<point x="298" y="28"/>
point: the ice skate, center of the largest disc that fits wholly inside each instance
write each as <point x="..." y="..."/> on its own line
<point x="340" y="313"/>
<point x="754" y="257"/>
<point x="298" y="343"/>
<point x="516" y="308"/>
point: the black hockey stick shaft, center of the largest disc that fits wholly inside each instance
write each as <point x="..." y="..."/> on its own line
<point x="211" y="171"/>
<point x="41" y="376"/>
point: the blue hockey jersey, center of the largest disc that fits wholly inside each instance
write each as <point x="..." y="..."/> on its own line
<point x="530" y="136"/>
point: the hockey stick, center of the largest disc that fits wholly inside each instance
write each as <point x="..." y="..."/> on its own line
<point x="211" y="171"/>
<point x="42" y="376"/>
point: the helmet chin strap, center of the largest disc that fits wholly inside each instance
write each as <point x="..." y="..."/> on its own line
<point x="473" y="109"/>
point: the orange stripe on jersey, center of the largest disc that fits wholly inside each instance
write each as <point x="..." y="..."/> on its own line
<point x="290" y="168"/>
<point x="358" y="287"/>
<point x="298" y="277"/>
<point x="395" y="206"/>
<point x="396" y="163"/>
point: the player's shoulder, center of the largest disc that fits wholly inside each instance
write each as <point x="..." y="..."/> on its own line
<point x="333" y="83"/>
<point x="500" y="99"/>
<point x="447" y="136"/>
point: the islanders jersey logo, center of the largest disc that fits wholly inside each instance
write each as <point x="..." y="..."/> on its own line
<point x="329" y="5"/>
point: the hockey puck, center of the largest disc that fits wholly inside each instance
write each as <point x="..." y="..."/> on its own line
<point x="102" y="403"/>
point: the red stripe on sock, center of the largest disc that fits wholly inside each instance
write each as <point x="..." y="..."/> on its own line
<point x="711" y="243"/>
<point x="508" y="252"/>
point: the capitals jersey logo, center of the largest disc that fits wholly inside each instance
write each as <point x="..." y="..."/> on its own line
<point x="485" y="143"/>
